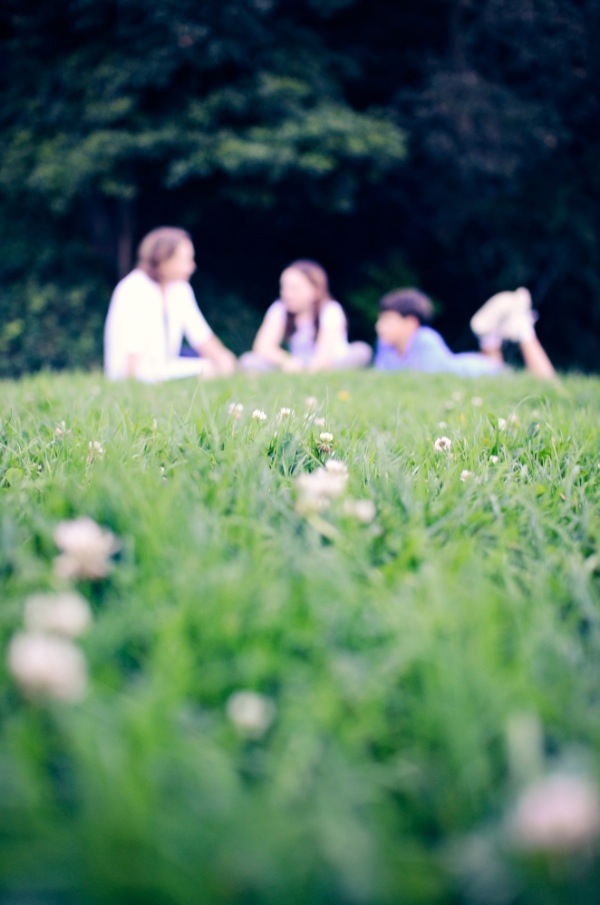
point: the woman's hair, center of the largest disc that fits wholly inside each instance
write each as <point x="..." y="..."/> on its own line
<point x="408" y="302"/>
<point x="316" y="275"/>
<point x="158" y="246"/>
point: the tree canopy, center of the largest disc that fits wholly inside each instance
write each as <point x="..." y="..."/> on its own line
<point x="447" y="142"/>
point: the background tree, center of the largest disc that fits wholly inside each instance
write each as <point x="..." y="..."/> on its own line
<point x="276" y="129"/>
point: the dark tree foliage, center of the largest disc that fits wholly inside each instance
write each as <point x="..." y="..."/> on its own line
<point x="450" y="142"/>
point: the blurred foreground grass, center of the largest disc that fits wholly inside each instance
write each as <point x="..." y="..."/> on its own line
<point x="412" y="667"/>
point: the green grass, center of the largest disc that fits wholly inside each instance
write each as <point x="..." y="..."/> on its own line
<point x="401" y="655"/>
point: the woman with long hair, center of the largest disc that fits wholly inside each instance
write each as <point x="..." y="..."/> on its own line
<point x="305" y="329"/>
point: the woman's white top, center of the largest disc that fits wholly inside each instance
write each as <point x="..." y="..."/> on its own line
<point x="149" y="321"/>
<point x="302" y="343"/>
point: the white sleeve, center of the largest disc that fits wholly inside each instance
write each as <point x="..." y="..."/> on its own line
<point x="195" y="327"/>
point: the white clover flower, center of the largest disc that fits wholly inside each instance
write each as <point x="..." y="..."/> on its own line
<point x="325" y="437"/>
<point x="319" y="422"/>
<point x="67" y="613"/>
<point x="235" y="409"/>
<point x="285" y="412"/>
<point x="85" y="548"/>
<point x="95" y="451"/>
<point x="557" y="814"/>
<point x="477" y="401"/>
<point x="336" y="466"/>
<point x="250" y="712"/>
<point x="502" y="424"/>
<point x="465" y="475"/>
<point x="48" y="666"/>
<point x="317" y="488"/>
<point x="259" y="415"/>
<point x="362" y="510"/>
<point x="443" y="444"/>
<point x="442" y="425"/>
<point x="494" y="459"/>
<point x="61" y="429"/>
<point x="311" y="402"/>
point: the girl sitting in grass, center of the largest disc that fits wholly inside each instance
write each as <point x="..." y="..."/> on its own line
<point x="309" y="323"/>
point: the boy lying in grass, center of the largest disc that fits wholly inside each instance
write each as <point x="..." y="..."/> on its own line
<point x="407" y="343"/>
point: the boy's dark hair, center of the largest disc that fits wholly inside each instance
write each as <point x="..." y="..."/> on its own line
<point x="408" y="302"/>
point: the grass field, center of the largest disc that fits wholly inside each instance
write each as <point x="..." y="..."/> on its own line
<point x="375" y="681"/>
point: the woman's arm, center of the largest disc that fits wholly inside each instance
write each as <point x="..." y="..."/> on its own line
<point x="223" y="358"/>
<point x="269" y="338"/>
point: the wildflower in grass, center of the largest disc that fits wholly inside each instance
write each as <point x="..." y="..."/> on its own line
<point x="557" y="814"/>
<point x="85" y="548"/>
<point x="316" y="489"/>
<point x="363" y="511"/>
<point x="67" y="613"/>
<point x="494" y="459"/>
<point x="442" y="425"/>
<point x="61" y="430"/>
<point x="285" y="413"/>
<point x="465" y="475"/>
<point x="335" y="466"/>
<point x="311" y="402"/>
<point x="477" y="401"/>
<point x="95" y="450"/>
<point x="48" y="666"/>
<point x="443" y="444"/>
<point x="259" y="415"/>
<point x="250" y="712"/>
<point x="502" y="422"/>
<point x="235" y="409"/>
<point x="343" y="395"/>
<point x="325" y="437"/>
<point x="319" y="422"/>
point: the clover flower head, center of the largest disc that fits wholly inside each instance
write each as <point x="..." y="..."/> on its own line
<point x="250" y="712"/>
<point x="494" y="459"/>
<point x="465" y="475"/>
<point x="85" y="548"/>
<point x="285" y="412"/>
<point x="477" y="401"/>
<point x="311" y="402"/>
<point x="235" y="409"/>
<point x="325" y="437"/>
<point x="67" y="614"/>
<point x="322" y="484"/>
<point x="363" y="511"/>
<point x="47" y="666"/>
<point x="336" y="466"/>
<point x="319" y="422"/>
<point x="259" y="415"/>
<point x="61" y="429"/>
<point x="443" y="444"/>
<point x="502" y="422"/>
<point x="559" y="813"/>
<point x="95" y="450"/>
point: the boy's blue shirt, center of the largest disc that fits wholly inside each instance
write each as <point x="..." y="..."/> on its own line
<point x="427" y="351"/>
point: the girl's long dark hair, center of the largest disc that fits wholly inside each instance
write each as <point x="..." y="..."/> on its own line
<point x="316" y="275"/>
